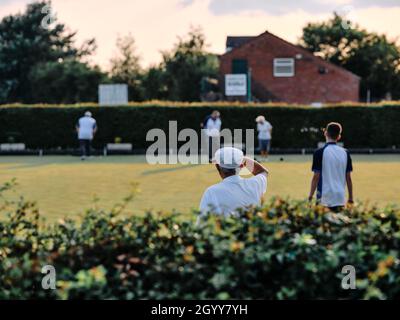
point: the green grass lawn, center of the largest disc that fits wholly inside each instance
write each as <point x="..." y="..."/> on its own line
<point x="65" y="186"/>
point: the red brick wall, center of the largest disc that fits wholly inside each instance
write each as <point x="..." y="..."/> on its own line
<point x="307" y="86"/>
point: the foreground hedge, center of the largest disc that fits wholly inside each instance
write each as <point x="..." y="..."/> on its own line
<point x="52" y="127"/>
<point x="285" y="250"/>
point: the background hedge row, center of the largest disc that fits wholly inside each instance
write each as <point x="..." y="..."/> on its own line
<point x="294" y="127"/>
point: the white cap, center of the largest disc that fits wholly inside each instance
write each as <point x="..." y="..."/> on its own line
<point x="88" y="114"/>
<point x="229" y="158"/>
<point x="260" y="119"/>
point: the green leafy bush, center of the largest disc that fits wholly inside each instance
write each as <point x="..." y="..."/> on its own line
<point x="285" y="250"/>
<point x="294" y="126"/>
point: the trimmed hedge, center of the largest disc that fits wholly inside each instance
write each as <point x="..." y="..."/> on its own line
<point x="284" y="250"/>
<point x="294" y="127"/>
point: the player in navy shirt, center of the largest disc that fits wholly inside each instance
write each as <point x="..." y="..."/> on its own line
<point x="332" y="167"/>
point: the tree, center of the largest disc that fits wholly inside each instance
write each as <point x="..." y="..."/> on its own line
<point x="186" y="65"/>
<point x="154" y="85"/>
<point x="68" y="81"/>
<point x="25" y="43"/>
<point x="125" y="67"/>
<point x="371" y="56"/>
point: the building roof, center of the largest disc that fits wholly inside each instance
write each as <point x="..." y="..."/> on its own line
<point x="237" y="42"/>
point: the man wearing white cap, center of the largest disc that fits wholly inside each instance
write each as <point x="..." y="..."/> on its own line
<point x="233" y="192"/>
<point x="212" y="127"/>
<point x="264" y="129"/>
<point x="86" y="129"/>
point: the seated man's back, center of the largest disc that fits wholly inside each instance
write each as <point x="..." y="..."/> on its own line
<point x="234" y="193"/>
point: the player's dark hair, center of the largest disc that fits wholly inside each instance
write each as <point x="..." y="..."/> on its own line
<point x="334" y="130"/>
<point x="228" y="172"/>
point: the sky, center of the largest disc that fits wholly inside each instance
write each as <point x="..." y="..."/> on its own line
<point x="156" y="24"/>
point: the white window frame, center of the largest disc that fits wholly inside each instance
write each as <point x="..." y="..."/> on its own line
<point x="287" y="62"/>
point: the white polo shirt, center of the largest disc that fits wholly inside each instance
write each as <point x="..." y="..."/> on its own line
<point x="86" y="126"/>
<point x="233" y="193"/>
<point x="333" y="163"/>
<point x="264" y="130"/>
<point x="213" y="127"/>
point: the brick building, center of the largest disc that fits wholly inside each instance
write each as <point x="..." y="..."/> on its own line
<point x="281" y="71"/>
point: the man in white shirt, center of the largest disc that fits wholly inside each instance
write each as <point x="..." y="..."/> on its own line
<point x="86" y="129"/>
<point x="264" y="129"/>
<point x="332" y="167"/>
<point x="212" y="126"/>
<point x="233" y="192"/>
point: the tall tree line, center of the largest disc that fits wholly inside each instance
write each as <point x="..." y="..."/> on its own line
<point x="45" y="65"/>
<point x="40" y="64"/>
<point x="372" y="56"/>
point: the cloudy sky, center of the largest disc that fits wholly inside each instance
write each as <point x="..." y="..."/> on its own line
<point x="155" y="24"/>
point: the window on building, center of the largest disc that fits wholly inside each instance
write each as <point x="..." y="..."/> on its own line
<point x="283" y="67"/>
<point x="239" y="66"/>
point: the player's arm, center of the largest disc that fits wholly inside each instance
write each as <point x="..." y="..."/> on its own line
<point x="206" y="203"/>
<point x="254" y="166"/>
<point x="203" y="125"/>
<point x="349" y="182"/>
<point x="314" y="185"/>
<point x="94" y="128"/>
<point x="77" y="127"/>
<point x="316" y="168"/>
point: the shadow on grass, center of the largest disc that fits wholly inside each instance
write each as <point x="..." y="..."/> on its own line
<point x="162" y="170"/>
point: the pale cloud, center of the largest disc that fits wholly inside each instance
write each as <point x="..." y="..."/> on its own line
<point x="155" y="24"/>
<point x="221" y="7"/>
<point x="281" y="7"/>
<point x="186" y="3"/>
<point x="7" y="2"/>
<point x="374" y="3"/>
<point x="11" y="6"/>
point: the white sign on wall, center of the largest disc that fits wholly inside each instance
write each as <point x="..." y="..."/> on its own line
<point x="235" y="84"/>
<point x="113" y="94"/>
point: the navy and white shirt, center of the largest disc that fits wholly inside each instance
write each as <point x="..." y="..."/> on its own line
<point x="333" y="163"/>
